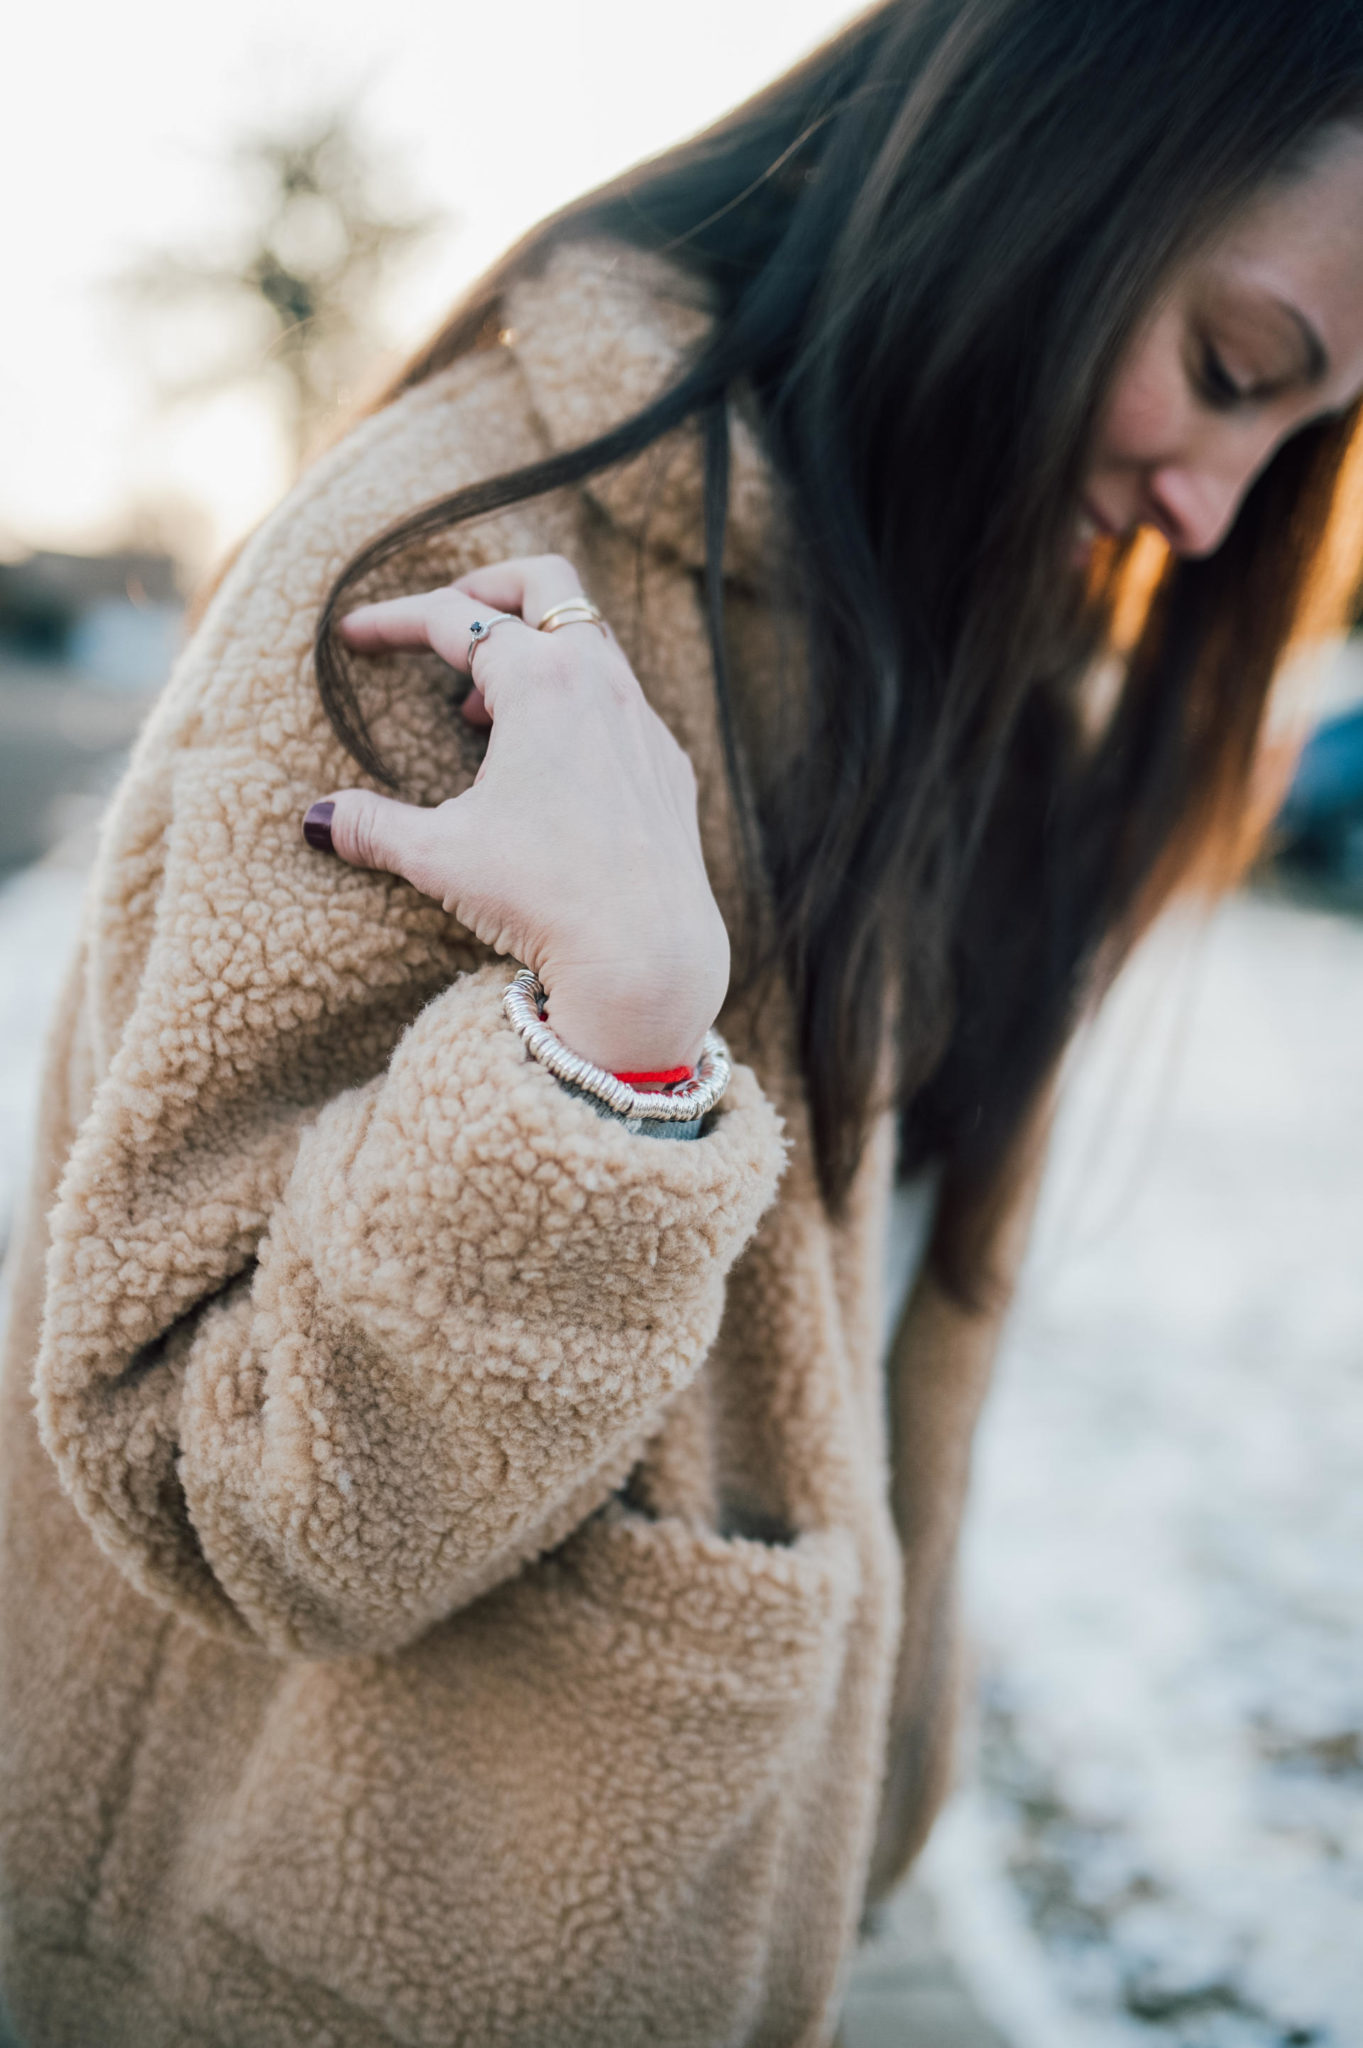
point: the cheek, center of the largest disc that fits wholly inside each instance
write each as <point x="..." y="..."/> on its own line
<point x="1143" y="416"/>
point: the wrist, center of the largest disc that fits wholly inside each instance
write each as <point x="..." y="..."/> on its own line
<point x="644" y="1025"/>
<point x="675" y="1111"/>
<point x="623" y="1042"/>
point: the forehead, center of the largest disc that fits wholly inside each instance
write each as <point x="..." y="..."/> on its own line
<point x="1301" y="242"/>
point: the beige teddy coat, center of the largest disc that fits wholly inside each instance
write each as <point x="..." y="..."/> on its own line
<point x="451" y="1587"/>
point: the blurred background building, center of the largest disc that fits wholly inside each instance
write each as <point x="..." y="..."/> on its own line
<point x="227" y="231"/>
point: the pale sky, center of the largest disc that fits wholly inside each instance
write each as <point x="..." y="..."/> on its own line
<point x="112" y="130"/>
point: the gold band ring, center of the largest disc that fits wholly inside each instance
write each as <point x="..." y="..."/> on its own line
<point x="573" y="611"/>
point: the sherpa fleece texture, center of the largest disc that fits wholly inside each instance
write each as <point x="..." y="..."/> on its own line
<point x="450" y="1590"/>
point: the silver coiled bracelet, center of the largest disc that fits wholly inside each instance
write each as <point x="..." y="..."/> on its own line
<point x="684" y="1104"/>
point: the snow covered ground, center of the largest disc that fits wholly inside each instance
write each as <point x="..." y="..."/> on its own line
<point x="1161" y="1839"/>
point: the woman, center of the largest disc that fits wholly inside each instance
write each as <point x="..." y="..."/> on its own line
<point x="459" y="1585"/>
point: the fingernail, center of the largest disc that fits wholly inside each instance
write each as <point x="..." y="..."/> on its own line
<point x="317" y="825"/>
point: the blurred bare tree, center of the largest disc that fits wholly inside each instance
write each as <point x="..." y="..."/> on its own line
<point x="291" y="300"/>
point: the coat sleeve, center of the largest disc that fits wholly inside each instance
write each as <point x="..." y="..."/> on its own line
<point x="470" y="1303"/>
<point x="350" y="1308"/>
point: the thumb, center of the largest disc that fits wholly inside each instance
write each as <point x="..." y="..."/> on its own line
<point x="371" y="831"/>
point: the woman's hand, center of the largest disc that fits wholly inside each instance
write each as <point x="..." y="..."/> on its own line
<point x="577" y="850"/>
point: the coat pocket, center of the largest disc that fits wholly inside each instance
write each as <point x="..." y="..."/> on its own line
<point x="558" y="1818"/>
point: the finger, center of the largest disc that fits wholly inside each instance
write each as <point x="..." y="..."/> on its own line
<point x="529" y="584"/>
<point x="397" y="622"/>
<point x="439" y="619"/>
<point x="474" y="709"/>
<point x="371" y="831"/>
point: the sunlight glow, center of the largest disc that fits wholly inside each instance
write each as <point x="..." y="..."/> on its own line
<point x="113" y="149"/>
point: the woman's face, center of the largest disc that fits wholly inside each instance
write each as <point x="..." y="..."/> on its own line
<point x="1261" y="333"/>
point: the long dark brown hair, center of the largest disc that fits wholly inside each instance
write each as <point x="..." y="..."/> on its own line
<point x="926" y="247"/>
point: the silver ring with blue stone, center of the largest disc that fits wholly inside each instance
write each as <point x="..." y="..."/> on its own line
<point x="481" y="628"/>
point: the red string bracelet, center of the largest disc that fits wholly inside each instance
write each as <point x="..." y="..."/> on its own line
<point x="681" y="1098"/>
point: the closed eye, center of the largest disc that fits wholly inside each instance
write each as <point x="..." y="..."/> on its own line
<point x="1219" y="387"/>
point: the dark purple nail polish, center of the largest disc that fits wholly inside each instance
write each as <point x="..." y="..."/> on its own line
<point x="317" y="825"/>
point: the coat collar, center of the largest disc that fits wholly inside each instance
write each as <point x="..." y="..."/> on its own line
<point x="600" y="330"/>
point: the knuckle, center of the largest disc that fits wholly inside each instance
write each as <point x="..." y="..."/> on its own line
<point x="556" y="664"/>
<point x="367" y="830"/>
<point x="364" y="830"/>
<point x="508" y="658"/>
<point x="432" y="833"/>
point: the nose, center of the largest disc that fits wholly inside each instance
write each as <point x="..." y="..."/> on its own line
<point x="1195" y="508"/>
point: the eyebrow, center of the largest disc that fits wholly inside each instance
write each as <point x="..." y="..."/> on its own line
<point x="1317" y="365"/>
